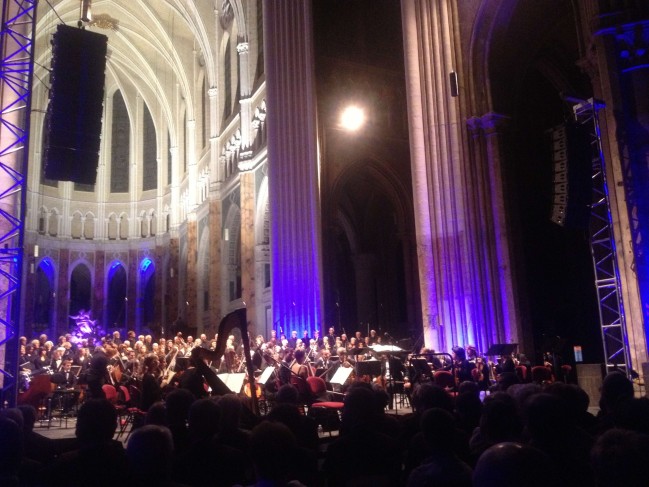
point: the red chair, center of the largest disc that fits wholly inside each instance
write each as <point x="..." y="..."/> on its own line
<point x="521" y="372"/>
<point x="130" y="414"/>
<point x="110" y="392"/>
<point x="40" y="389"/>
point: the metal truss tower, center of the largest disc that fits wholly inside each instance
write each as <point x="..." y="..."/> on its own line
<point x="602" y="246"/>
<point x="16" y="51"/>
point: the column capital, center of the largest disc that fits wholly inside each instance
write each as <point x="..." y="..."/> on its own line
<point x="212" y="92"/>
<point x="243" y="47"/>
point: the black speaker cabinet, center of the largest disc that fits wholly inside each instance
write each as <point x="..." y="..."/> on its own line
<point x="74" y="113"/>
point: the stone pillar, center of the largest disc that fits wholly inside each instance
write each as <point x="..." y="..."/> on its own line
<point x="618" y="70"/>
<point x="464" y="262"/>
<point x="62" y="290"/>
<point x="495" y="274"/>
<point x="437" y="172"/>
<point x="216" y="267"/>
<point x="293" y="167"/>
<point x="248" y="205"/>
<point x="191" y="282"/>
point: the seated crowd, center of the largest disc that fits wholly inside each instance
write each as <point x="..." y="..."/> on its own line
<point x="518" y="434"/>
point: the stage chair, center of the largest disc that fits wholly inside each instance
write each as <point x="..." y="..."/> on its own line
<point x="130" y="414"/>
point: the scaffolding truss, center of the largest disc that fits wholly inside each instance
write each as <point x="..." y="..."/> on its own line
<point x="16" y="49"/>
<point x="602" y="246"/>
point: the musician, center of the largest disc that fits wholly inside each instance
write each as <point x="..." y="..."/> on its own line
<point x="301" y="371"/>
<point x="318" y="339"/>
<point x="132" y="367"/>
<point x="462" y="366"/>
<point x="285" y="369"/>
<point x="82" y="359"/>
<point x="324" y="361"/>
<point x="305" y="337"/>
<point x="117" y="339"/>
<point x="97" y="374"/>
<point x="66" y="371"/>
<point x="331" y="336"/>
<point x="56" y="361"/>
<point x="151" y="391"/>
<point x="292" y="342"/>
<point x="373" y="339"/>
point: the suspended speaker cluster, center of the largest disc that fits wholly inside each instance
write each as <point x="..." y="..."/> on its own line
<point x="74" y="113"/>
<point x="572" y="175"/>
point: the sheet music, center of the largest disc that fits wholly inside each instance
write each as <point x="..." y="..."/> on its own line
<point x="341" y="375"/>
<point x="265" y="375"/>
<point x="234" y="382"/>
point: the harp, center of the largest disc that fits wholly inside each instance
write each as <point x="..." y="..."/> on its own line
<point x="235" y="319"/>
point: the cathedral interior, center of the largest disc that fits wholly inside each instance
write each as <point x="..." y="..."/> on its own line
<point x="226" y="179"/>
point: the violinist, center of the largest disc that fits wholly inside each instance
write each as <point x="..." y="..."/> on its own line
<point x="151" y="390"/>
<point x="300" y="372"/>
<point x="462" y="366"/>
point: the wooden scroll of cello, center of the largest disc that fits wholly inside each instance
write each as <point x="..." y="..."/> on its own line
<point x="235" y="319"/>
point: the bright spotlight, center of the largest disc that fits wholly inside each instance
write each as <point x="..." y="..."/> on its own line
<point x="352" y="118"/>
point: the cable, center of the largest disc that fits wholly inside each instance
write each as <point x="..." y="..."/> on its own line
<point x="55" y="12"/>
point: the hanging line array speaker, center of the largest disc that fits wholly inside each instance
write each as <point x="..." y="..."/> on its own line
<point x="74" y="113"/>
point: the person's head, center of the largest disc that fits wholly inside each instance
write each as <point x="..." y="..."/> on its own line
<point x="331" y="330"/>
<point x="204" y="418"/>
<point x="11" y="448"/>
<point x="150" y="453"/>
<point x="513" y="465"/>
<point x="620" y="457"/>
<point x="272" y="447"/>
<point x="459" y="353"/>
<point x="67" y="365"/>
<point x="299" y="356"/>
<point x="96" y="421"/>
<point x="616" y="388"/>
<point x="294" y="334"/>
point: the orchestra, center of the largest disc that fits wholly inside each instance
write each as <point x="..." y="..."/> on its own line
<point x="154" y="367"/>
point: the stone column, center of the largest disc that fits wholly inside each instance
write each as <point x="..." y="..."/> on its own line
<point x="293" y="166"/>
<point x="458" y="272"/>
<point x="619" y="71"/>
<point x="248" y="204"/>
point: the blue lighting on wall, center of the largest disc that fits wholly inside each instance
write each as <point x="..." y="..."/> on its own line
<point x="144" y="265"/>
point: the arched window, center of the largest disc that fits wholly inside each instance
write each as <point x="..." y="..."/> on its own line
<point x="89" y="227"/>
<point x="116" y="300"/>
<point x="227" y="82"/>
<point x="76" y="227"/>
<point x="120" y="146"/>
<point x="149" y="161"/>
<point x="113" y="227"/>
<point x="80" y="290"/>
<point x="123" y="227"/>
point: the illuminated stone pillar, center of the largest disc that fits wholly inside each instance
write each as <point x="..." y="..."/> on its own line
<point x="247" y="181"/>
<point x="460" y="286"/>
<point x="293" y="166"/>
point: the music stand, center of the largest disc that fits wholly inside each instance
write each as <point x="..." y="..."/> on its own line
<point x="368" y="367"/>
